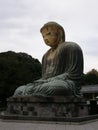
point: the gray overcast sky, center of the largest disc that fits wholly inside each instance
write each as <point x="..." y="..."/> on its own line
<point x="21" y="20"/>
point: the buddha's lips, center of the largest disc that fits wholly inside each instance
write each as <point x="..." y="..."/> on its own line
<point x="46" y="41"/>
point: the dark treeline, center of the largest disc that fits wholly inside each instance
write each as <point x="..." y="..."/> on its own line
<point x="90" y="77"/>
<point x="16" y="69"/>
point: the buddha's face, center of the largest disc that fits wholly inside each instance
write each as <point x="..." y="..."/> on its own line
<point x="50" y="36"/>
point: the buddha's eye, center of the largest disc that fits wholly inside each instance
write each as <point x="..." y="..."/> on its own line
<point x="48" y="33"/>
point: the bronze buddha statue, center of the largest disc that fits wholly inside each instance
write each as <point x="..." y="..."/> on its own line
<point x="62" y="66"/>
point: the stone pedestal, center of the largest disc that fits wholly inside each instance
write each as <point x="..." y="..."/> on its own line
<point x="37" y="106"/>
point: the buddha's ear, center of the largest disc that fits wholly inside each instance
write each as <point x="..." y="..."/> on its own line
<point x="60" y="36"/>
<point x="62" y="33"/>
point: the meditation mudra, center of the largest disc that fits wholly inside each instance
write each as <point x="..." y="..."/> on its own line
<point x="62" y="66"/>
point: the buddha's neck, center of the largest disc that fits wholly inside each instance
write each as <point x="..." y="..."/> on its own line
<point x="55" y="47"/>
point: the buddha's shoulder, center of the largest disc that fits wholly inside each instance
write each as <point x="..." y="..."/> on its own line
<point x="65" y="46"/>
<point x="71" y="45"/>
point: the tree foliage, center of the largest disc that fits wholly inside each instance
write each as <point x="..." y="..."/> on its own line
<point x="16" y="69"/>
<point x="90" y="77"/>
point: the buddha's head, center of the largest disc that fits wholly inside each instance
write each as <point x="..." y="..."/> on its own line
<point x="53" y="34"/>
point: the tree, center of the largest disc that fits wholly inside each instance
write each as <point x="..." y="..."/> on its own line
<point x="16" y="69"/>
<point x="91" y="77"/>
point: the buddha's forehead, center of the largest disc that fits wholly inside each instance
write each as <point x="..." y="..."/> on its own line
<point x="49" y="29"/>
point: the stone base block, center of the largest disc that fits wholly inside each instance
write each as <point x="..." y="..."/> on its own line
<point x="37" y="106"/>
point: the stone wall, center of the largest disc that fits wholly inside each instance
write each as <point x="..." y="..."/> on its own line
<point x="36" y="106"/>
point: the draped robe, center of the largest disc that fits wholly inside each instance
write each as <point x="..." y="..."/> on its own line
<point x="62" y="69"/>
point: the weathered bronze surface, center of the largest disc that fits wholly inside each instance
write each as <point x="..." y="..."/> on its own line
<point x="62" y="66"/>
